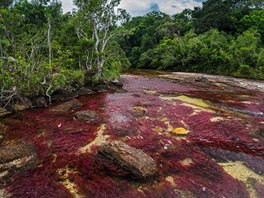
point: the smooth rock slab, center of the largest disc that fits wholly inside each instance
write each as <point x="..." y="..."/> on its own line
<point x="16" y="156"/>
<point x="67" y="106"/>
<point x="87" y="115"/>
<point x="135" y="161"/>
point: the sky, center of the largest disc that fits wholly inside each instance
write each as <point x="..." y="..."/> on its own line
<point x="141" y="7"/>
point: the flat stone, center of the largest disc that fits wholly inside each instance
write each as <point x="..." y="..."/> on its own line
<point x="135" y="161"/>
<point x="87" y="115"/>
<point x="85" y="92"/>
<point x="67" y="106"/>
<point x="4" y="112"/>
<point x="16" y="156"/>
<point x="21" y="106"/>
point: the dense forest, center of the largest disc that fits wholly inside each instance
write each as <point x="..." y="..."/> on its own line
<point x="223" y="37"/>
<point x="43" y="50"/>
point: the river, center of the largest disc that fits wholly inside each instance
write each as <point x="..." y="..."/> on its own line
<point x="207" y="138"/>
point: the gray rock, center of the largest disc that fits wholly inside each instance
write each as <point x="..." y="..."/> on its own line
<point x="87" y="115"/>
<point x="135" y="161"/>
<point x="67" y="106"/>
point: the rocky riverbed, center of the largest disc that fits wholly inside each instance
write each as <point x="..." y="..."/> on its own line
<point x="163" y="135"/>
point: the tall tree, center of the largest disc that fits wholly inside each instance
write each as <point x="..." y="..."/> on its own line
<point x="104" y="17"/>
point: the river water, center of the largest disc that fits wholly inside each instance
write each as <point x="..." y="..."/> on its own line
<point x="207" y="138"/>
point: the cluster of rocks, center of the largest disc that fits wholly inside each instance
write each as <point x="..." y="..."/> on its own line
<point x="41" y="101"/>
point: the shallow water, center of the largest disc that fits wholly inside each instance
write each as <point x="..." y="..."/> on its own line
<point x="207" y="139"/>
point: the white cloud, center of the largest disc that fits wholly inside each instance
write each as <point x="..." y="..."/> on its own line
<point x="141" y="7"/>
<point x="67" y="5"/>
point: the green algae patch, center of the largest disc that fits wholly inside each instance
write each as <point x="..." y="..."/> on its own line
<point x="198" y="105"/>
<point x="193" y="101"/>
<point x="242" y="173"/>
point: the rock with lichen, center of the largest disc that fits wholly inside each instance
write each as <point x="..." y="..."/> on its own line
<point x="87" y="115"/>
<point x="67" y="106"/>
<point x="135" y="161"/>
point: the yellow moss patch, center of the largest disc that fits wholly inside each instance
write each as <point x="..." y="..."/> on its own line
<point x="193" y="101"/>
<point x="242" y="173"/>
<point x="171" y="181"/>
<point x="69" y="185"/>
<point x="139" y="111"/>
<point x="180" y="131"/>
<point x="186" y="162"/>
<point x="216" y="119"/>
<point x="198" y="105"/>
<point x="101" y="138"/>
<point x="150" y="91"/>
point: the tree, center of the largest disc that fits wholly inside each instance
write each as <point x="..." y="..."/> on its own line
<point x="104" y="18"/>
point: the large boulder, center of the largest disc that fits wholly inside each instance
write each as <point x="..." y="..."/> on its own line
<point x="14" y="157"/>
<point x="67" y="106"/>
<point x="87" y="115"/>
<point x="135" y="161"/>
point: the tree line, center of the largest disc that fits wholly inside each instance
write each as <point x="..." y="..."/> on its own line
<point x="222" y="37"/>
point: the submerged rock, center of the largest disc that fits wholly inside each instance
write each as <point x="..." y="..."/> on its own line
<point x="87" y="115"/>
<point x="16" y="156"/>
<point x="135" y="161"/>
<point x="4" y="112"/>
<point x="67" y="106"/>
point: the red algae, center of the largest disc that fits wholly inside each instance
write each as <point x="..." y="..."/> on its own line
<point x="187" y="165"/>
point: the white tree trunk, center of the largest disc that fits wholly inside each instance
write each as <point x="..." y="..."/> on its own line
<point x="49" y="41"/>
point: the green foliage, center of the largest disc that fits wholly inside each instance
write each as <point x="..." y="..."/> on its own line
<point x="34" y="62"/>
<point x="223" y="37"/>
